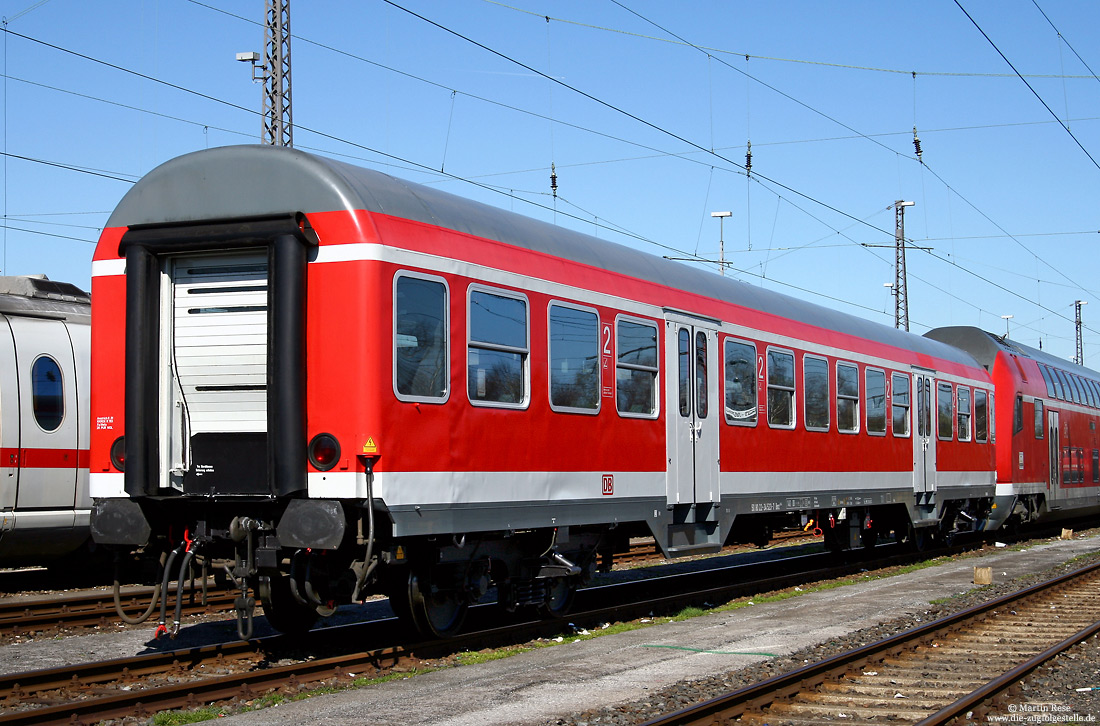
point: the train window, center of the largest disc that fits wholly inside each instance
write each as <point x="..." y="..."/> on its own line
<point x="1090" y="395"/>
<point x="981" y="416"/>
<point x="900" y="404"/>
<point x="847" y="398"/>
<point x="963" y="414"/>
<point x="1063" y="385"/>
<point x="683" y="365"/>
<point x="497" y="349"/>
<point x="1018" y="415"/>
<point x="420" y="339"/>
<point x="1095" y="466"/>
<point x="780" y="389"/>
<point x="574" y="359"/>
<point x="636" y="369"/>
<point x="1049" y="380"/>
<point x="1074" y="391"/>
<point x="1040" y="420"/>
<point x="876" y="402"/>
<point x="740" y="383"/>
<point x="47" y="393"/>
<point x="944" y="415"/>
<point x="815" y="375"/>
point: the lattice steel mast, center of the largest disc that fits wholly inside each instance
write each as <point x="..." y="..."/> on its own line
<point x="277" y="118"/>
<point x="901" y="296"/>
<point x="1080" y="357"/>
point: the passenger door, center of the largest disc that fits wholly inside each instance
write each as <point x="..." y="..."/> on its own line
<point x="9" y="418"/>
<point x="1054" y="441"/>
<point x="924" y="442"/>
<point x="693" y="410"/>
<point x="49" y="420"/>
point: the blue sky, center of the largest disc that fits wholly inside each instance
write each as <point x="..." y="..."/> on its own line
<point x="644" y="108"/>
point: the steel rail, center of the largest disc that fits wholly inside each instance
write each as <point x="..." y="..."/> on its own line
<point x="609" y="602"/>
<point x="759" y="695"/>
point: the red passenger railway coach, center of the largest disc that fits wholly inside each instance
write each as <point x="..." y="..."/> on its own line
<point x="336" y="383"/>
<point x="1048" y="461"/>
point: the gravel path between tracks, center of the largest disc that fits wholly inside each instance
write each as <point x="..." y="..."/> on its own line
<point x="630" y="677"/>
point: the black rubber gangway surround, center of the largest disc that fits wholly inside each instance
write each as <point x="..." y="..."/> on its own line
<point x="287" y="239"/>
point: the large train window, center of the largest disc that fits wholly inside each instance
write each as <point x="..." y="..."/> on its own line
<point x="421" y="356"/>
<point x="740" y="382"/>
<point x="1040" y="420"/>
<point x="847" y="398"/>
<point x="981" y="416"/>
<point x="780" y="389"/>
<point x="815" y="378"/>
<point x="944" y="415"/>
<point x="636" y="368"/>
<point x="900" y="402"/>
<point x="1095" y="466"/>
<point x="497" y="349"/>
<point x="876" y="402"/>
<point x="963" y="414"/>
<point x="574" y="359"/>
<point x="47" y="393"/>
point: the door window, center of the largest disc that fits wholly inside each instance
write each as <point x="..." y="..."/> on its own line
<point x="47" y="393"/>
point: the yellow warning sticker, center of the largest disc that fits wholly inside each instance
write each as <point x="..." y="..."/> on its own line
<point x="370" y="447"/>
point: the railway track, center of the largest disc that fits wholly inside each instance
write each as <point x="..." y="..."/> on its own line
<point x="19" y="616"/>
<point x="961" y="667"/>
<point x="91" y="692"/>
<point x="23" y="615"/>
<point x="142" y="685"/>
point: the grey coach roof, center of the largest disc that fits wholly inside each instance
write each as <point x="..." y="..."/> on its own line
<point x="248" y="181"/>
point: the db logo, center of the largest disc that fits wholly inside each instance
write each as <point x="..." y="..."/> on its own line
<point x="608" y="484"/>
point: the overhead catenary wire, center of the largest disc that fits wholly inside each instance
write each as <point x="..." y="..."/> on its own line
<point x="1029" y="86"/>
<point x="415" y="165"/>
<point x="779" y="59"/>
<point x="702" y="149"/>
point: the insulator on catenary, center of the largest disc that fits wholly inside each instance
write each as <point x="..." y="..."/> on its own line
<point x="916" y="145"/>
<point x="553" y="180"/>
<point x="748" y="158"/>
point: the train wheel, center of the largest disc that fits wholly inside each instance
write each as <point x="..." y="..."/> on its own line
<point x="439" y="613"/>
<point x="922" y="539"/>
<point x="283" y="611"/>
<point x="559" y="601"/>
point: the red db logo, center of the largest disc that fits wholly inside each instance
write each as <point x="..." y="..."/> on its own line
<point x="608" y="484"/>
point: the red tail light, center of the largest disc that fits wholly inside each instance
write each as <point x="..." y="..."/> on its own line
<point x="324" y="451"/>
<point x="118" y="453"/>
